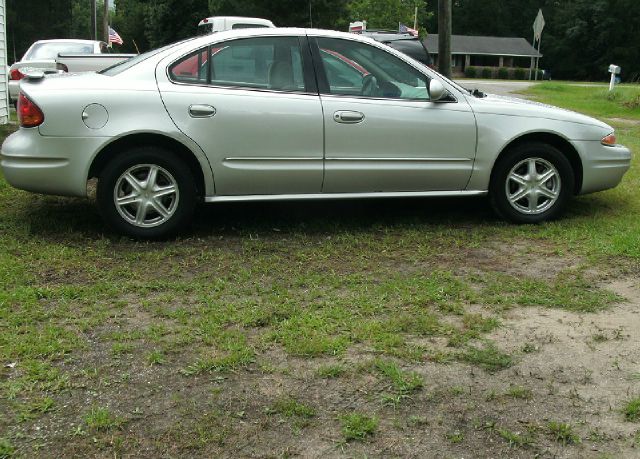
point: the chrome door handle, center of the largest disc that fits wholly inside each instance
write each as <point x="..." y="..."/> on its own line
<point x="348" y="117"/>
<point x="201" y="111"/>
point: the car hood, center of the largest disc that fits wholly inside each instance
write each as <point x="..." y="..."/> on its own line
<point x="512" y="106"/>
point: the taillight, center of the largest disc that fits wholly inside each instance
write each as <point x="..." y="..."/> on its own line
<point x="16" y="74"/>
<point x="29" y="114"/>
<point x="609" y="140"/>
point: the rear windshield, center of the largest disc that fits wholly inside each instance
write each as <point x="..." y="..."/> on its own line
<point x="248" y="26"/>
<point x="125" y="65"/>
<point x="51" y="50"/>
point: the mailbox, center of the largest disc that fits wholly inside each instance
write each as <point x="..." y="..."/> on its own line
<point x="614" y="70"/>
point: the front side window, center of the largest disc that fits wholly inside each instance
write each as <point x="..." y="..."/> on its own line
<point x="272" y="63"/>
<point x="367" y="71"/>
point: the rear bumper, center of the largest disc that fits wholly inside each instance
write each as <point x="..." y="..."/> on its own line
<point x="49" y="165"/>
<point x="14" y="90"/>
<point x="602" y="167"/>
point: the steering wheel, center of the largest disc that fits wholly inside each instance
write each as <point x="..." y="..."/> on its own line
<point x="369" y="85"/>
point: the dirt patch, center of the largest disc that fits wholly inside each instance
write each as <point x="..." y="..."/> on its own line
<point x="623" y="121"/>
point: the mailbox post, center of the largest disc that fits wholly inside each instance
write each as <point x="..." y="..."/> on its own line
<point x="614" y="70"/>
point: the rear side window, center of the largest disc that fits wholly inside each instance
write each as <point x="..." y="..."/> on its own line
<point x="192" y="69"/>
<point x="272" y="63"/>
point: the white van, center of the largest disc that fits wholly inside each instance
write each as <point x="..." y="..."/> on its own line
<point x="222" y="23"/>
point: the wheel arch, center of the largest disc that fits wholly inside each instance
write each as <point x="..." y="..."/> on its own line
<point x="556" y="141"/>
<point x="124" y="143"/>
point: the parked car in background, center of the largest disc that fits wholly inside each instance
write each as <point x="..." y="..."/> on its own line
<point x="287" y="114"/>
<point x="54" y="56"/>
<point x="222" y="23"/>
<point x="404" y="42"/>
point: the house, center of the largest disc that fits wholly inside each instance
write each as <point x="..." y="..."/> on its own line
<point x="4" y="86"/>
<point x="471" y="51"/>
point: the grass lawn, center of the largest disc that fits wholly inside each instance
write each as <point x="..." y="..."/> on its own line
<point x="358" y="328"/>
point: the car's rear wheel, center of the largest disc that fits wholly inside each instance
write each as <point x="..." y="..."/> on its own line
<point x="531" y="183"/>
<point x="146" y="192"/>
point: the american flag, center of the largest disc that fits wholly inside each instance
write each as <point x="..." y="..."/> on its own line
<point x="114" y="37"/>
<point x="404" y="29"/>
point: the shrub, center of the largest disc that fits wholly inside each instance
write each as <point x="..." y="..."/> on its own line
<point x="519" y="74"/>
<point x="503" y="73"/>
<point x="487" y="73"/>
<point x="470" y="72"/>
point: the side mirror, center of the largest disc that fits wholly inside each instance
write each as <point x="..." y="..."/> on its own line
<point x="436" y="90"/>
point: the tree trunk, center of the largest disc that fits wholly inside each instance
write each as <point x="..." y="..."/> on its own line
<point x="94" y="27"/>
<point x="105" y="22"/>
<point x="444" y="37"/>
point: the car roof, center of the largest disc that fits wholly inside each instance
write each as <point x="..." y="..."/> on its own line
<point x="179" y="49"/>
<point x="275" y="31"/>
<point x="239" y="18"/>
<point x="68" y="40"/>
<point x="388" y="35"/>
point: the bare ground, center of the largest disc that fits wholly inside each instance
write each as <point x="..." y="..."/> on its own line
<point x="573" y="368"/>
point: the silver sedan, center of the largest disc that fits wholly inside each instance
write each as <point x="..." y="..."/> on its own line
<point x="266" y="114"/>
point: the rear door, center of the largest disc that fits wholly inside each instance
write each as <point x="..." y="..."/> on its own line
<point x="254" y="111"/>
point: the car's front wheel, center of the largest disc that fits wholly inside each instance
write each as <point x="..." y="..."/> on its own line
<point x="532" y="183"/>
<point x="146" y="192"/>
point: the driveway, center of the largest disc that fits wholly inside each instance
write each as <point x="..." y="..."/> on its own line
<point x="503" y="88"/>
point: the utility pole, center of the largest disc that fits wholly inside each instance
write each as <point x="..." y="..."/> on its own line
<point x="94" y="26"/>
<point x="105" y="22"/>
<point x="444" y="37"/>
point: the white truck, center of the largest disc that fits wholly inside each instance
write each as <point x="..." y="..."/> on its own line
<point x="55" y="56"/>
<point x="222" y="23"/>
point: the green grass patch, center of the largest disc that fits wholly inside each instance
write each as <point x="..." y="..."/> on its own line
<point x="290" y="407"/>
<point x="357" y="426"/>
<point x="515" y="439"/>
<point x="34" y="409"/>
<point x="331" y="371"/>
<point x="488" y="357"/>
<point x="101" y="419"/>
<point x="7" y="449"/>
<point x="631" y="410"/>
<point x="623" y="102"/>
<point x="563" y="433"/>
<point x="403" y="382"/>
<point x="519" y="392"/>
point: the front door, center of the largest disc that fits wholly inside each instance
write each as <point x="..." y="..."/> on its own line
<point x="382" y="133"/>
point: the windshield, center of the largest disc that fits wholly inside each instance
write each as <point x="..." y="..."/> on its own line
<point x="51" y="50"/>
<point x="127" y="64"/>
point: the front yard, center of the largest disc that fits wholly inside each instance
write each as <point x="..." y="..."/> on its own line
<point x="360" y="328"/>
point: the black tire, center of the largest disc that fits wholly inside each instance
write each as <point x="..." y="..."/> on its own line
<point x="546" y="208"/>
<point x="177" y="206"/>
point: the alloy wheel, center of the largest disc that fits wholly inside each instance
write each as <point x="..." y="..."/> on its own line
<point x="146" y="195"/>
<point x="533" y="186"/>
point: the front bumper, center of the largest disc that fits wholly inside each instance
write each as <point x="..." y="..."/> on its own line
<point x="602" y="167"/>
<point x="49" y="165"/>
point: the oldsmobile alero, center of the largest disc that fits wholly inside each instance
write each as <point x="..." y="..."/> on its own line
<point x="262" y="114"/>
